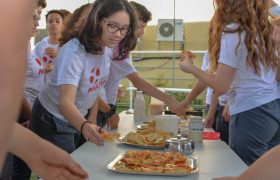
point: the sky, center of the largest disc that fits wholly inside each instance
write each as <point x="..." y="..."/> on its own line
<point x="188" y="10"/>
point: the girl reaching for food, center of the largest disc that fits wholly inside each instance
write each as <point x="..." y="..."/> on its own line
<point x="242" y="53"/>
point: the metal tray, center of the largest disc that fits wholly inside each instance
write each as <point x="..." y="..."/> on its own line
<point x="121" y="140"/>
<point x="193" y="163"/>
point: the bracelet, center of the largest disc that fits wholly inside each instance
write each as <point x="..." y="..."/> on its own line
<point x="82" y="126"/>
<point x="113" y="108"/>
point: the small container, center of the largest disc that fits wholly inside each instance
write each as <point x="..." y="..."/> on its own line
<point x="179" y="144"/>
<point x="196" y="128"/>
<point x="139" y="106"/>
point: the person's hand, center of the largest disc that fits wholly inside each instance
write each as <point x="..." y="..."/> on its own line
<point x="209" y="120"/>
<point x="226" y="114"/>
<point x="121" y="91"/>
<point x="176" y="107"/>
<point x="92" y="133"/>
<point x="49" y="67"/>
<point x="50" y="162"/>
<point x="186" y="61"/>
<point x="51" y="52"/>
<point x="113" y="121"/>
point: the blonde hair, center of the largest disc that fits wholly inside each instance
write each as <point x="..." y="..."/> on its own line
<point x="251" y="17"/>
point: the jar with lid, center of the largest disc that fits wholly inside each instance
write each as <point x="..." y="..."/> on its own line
<point x="196" y="128"/>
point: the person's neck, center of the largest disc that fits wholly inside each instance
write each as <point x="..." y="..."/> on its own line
<point x="54" y="39"/>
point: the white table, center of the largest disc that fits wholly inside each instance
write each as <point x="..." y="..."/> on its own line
<point x="215" y="158"/>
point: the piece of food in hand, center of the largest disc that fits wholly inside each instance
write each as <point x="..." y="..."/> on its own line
<point x="274" y="19"/>
<point x="49" y="67"/>
<point x="184" y="53"/>
<point x="108" y="137"/>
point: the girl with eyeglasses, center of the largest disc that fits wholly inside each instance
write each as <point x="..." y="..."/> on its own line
<point x="81" y="70"/>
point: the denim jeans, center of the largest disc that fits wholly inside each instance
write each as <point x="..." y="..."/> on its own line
<point x="55" y="130"/>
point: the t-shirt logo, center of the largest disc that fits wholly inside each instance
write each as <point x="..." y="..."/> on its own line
<point x="95" y="82"/>
<point x="42" y="69"/>
<point x="47" y="59"/>
<point x="95" y="72"/>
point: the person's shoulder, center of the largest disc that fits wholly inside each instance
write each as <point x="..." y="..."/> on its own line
<point x="231" y="27"/>
<point x="231" y="32"/>
<point x="74" y="45"/>
<point x="73" y="48"/>
<point x="41" y="43"/>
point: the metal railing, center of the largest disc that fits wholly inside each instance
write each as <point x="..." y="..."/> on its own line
<point x="174" y="90"/>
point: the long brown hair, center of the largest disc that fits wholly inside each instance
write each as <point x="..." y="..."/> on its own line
<point x="251" y="17"/>
<point x="69" y="31"/>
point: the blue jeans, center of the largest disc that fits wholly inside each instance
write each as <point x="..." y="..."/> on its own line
<point x="54" y="130"/>
<point x="254" y="132"/>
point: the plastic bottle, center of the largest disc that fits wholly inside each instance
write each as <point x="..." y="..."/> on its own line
<point x="139" y="106"/>
<point x="196" y="129"/>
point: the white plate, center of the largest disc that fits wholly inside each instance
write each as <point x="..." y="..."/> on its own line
<point x="121" y="140"/>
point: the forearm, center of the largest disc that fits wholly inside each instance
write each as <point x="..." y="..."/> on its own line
<point x="149" y="89"/>
<point x="102" y="105"/>
<point x="214" y="104"/>
<point x="71" y="113"/>
<point x="22" y="141"/>
<point x="266" y="167"/>
<point x="10" y="90"/>
<point x="198" y="88"/>
<point x="220" y="82"/>
<point x="93" y="111"/>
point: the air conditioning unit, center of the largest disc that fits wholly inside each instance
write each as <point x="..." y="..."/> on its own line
<point x="167" y="31"/>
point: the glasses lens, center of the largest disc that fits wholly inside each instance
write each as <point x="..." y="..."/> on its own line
<point x="124" y="31"/>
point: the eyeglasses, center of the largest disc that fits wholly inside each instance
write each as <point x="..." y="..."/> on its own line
<point x="112" y="28"/>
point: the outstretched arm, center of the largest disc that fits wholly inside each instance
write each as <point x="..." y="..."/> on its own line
<point x="49" y="162"/>
<point x="220" y="82"/>
<point x="266" y="167"/>
<point x="198" y="88"/>
<point x="14" y="15"/>
<point x="151" y="90"/>
<point x="69" y="110"/>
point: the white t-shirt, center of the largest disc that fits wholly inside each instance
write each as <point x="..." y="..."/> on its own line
<point x="118" y="71"/>
<point x="249" y="90"/>
<point x="34" y="81"/>
<point x="274" y="10"/>
<point x="204" y="67"/>
<point x="222" y="98"/>
<point x="40" y="52"/>
<point x="75" y="66"/>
